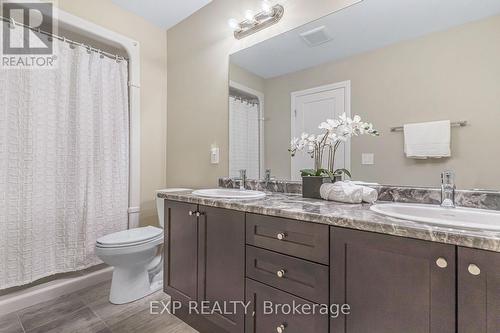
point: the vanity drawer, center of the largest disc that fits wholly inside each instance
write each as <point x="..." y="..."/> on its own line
<point x="281" y="321"/>
<point x="297" y="276"/>
<point x="304" y="240"/>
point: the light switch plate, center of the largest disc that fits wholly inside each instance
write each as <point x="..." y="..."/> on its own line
<point x="367" y="158"/>
<point x="214" y="155"/>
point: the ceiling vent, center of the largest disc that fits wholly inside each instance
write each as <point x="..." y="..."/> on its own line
<point x="316" y="36"/>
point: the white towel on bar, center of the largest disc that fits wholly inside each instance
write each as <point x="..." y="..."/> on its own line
<point x="428" y="140"/>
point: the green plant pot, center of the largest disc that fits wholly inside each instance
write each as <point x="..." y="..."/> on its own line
<point x="312" y="184"/>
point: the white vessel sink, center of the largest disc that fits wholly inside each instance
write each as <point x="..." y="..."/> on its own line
<point x="468" y="218"/>
<point x="223" y="193"/>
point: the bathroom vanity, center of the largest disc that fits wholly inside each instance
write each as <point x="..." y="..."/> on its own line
<point x="395" y="275"/>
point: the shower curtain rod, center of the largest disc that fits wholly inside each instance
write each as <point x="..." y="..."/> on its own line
<point x="13" y="23"/>
<point x="243" y="96"/>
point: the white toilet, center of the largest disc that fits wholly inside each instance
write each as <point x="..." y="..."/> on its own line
<point x="136" y="255"/>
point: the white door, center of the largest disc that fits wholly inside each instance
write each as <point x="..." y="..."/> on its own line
<point x="309" y="109"/>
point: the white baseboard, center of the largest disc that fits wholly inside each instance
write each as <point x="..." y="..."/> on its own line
<point x="24" y="298"/>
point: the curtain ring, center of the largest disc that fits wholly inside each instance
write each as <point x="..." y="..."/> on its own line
<point x="12" y="23"/>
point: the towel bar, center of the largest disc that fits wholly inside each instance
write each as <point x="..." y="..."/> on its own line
<point x="462" y="123"/>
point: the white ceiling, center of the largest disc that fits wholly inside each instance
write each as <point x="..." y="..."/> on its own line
<point x="163" y="13"/>
<point x="366" y="26"/>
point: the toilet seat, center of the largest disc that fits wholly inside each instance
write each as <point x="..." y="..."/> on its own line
<point x="130" y="237"/>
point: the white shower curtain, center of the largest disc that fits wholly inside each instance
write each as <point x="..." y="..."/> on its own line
<point x="64" y="159"/>
<point x="244" y="138"/>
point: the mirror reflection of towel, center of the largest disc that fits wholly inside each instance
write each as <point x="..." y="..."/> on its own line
<point x="428" y="140"/>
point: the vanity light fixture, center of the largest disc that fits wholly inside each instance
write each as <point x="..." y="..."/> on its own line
<point x="233" y="24"/>
<point x="267" y="7"/>
<point x="249" y="16"/>
<point x="268" y="16"/>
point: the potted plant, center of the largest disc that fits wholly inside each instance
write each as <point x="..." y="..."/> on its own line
<point x="335" y="133"/>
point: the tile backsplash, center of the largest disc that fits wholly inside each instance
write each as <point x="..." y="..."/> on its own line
<point x="405" y="194"/>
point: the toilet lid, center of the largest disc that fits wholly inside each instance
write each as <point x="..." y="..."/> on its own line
<point x="130" y="236"/>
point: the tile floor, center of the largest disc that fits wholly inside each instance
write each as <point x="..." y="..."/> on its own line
<point x="89" y="311"/>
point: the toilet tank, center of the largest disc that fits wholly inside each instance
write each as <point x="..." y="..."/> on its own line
<point x="160" y="204"/>
<point x="160" y="209"/>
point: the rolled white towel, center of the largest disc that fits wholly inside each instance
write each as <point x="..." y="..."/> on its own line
<point x="370" y="195"/>
<point x="348" y="192"/>
<point x="341" y="192"/>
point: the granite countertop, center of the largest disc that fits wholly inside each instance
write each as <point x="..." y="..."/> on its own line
<point x="353" y="216"/>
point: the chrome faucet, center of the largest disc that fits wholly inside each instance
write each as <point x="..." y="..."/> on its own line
<point x="267" y="176"/>
<point x="243" y="178"/>
<point x="448" y="189"/>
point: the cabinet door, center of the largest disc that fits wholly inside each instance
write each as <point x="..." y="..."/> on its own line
<point x="222" y="264"/>
<point x="392" y="284"/>
<point x="478" y="291"/>
<point x="181" y="251"/>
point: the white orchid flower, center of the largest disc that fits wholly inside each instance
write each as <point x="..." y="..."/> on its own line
<point x="329" y="125"/>
<point x="335" y="132"/>
<point x="343" y="118"/>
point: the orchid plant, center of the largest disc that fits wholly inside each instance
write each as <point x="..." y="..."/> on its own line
<point x="335" y="133"/>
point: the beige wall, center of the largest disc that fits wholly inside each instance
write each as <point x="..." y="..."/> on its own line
<point x="244" y="77"/>
<point x="198" y="59"/>
<point x="153" y="42"/>
<point x="447" y="75"/>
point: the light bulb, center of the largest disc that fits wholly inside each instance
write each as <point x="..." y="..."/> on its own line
<point x="233" y="23"/>
<point x="249" y="15"/>
<point x="267" y="7"/>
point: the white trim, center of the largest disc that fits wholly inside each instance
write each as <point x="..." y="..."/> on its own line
<point x="260" y="96"/>
<point x="26" y="297"/>
<point x="346" y="85"/>
<point x="88" y="29"/>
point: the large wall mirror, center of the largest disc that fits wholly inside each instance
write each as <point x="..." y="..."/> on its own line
<point x="393" y="63"/>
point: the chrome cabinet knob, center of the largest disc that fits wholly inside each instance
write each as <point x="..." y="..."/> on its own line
<point x="474" y="269"/>
<point x="280" y="329"/>
<point x="199" y="214"/>
<point x="281" y="236"/>
<point x="441" y="262"/>
<point x="190" y="213"/>
<point x="280" y="273"/>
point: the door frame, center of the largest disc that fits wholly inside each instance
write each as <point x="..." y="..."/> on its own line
<point x="260" y="96"/>
<point x="346" y="85"/>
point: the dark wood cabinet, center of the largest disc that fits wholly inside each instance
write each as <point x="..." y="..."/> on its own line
<point x="392" y="284"/>
<point x="205" y="262"/>
<point x="181" y="251"/>
<point x="221" y="275"/>
<point x="267" y="313"/>
<point x="478" y="291"/>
